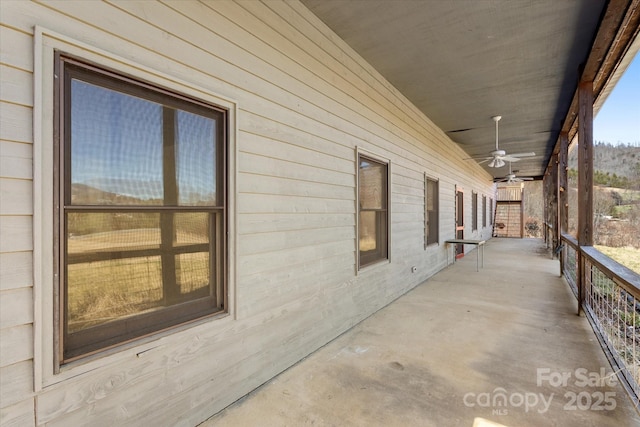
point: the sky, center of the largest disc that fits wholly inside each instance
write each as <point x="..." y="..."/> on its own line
<point x="618" y="121"/>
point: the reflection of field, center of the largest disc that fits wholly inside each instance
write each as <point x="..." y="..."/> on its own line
<point x="367" y="231"/>
<point x="140" y="238"/>
<point x="102" y="291"/>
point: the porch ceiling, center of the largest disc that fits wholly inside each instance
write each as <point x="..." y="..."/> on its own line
<point x="462" y="62"/>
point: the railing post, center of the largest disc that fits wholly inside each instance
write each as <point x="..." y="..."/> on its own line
<point x="580" y="278"/>
<point x="563" y="258"/>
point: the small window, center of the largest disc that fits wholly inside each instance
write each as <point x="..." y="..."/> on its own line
<point x="484" y="211"/>
<point x="373" y="215"/>
<point x="142" y="220"/>
<point x="431" y="211"/>
<point x="491" y="211"/>
<point x="474" y="210"/>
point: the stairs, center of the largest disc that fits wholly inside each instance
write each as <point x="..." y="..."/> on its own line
<point x="508" y="219"/>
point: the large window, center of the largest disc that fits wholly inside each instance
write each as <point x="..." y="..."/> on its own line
<point x="474" y="210"/>
<point x="431" y="211"/>
<point x="142" y="221"/>
<point x="373" y="215"/>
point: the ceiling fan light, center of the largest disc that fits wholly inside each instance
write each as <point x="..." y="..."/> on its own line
<point x="499" y="163"/>
<point x="492" y="163"/>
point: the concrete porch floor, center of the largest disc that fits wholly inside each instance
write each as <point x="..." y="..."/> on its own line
<point x="446" y="352"/>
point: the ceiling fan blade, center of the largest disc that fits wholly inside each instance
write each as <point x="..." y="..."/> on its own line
<point x="531" y="154"/>
<point x="527" y="178"/>
<point x="510" y="158"/>
<point x="479" y="157"/>
<point x="485" y="160"/>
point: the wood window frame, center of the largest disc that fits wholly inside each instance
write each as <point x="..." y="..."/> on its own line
<point x="47" y="372"/>
<point x="383" y="237"/>
<point x="459" y="219"/>
<point x="431" y="238"/>
<point x="77" y="345"/>
<point x="474" y="211"/>
<point x="490" y="210"/>
<point x="484" y="211"/>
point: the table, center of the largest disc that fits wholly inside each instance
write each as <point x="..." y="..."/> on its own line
<point x="479" y="243"/>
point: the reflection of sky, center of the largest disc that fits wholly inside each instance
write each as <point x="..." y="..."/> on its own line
<point x="371" y="185"/>
<point x="117" y="146"/>
<point x="196" y="157"/>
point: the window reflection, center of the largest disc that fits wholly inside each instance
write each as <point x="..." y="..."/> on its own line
<point x="118" y="264"/>
<point x="117" y="151"/>
<point x="372" y="225"/>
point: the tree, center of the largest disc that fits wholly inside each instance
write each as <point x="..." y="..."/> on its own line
<point x="603" y="203"/>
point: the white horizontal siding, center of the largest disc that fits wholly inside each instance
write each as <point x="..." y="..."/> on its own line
<point x="251" y="163"/>
<point x="18" y="415"/>
<point x="306" y="102"/>
<point x="16" y="270"/>
<point x="16" y="160"/>
<point x="17" y="234"/>
<point x="15" y="122"/>
<point x="261" y="222"/>
<point x="15" y="86"/>
<point x="291" y="287"/>
<point x="16" y="307"/>
<point x="13" y="45"/>
<point x="17" y="384"/>
<point x="256" y="244"/>
<point x="282" y="150"/>
<point x="17" y="196"/>
<point x="267" y="184"/>
<point x="16" y="344"/>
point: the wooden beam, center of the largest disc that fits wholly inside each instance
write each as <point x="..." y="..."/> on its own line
<point x="621" y="25"/>
<point x="618" y="28"/>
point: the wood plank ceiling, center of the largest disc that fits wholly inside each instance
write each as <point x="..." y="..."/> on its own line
<point x="463" y="61"/>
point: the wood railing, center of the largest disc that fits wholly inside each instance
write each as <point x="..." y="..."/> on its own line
<point x="609" y="295"/>
<point x="509" y="194"/>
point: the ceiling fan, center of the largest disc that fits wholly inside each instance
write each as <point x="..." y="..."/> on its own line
<point x="498" y="157"/>
<point x="511" y="177"/>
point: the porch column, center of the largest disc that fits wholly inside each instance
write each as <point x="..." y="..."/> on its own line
<point x="563" y="193"/>
<point x="553" y="206"/>
<point x="585" y="179"/>
<point x="548" y="205"/>
<point x="585" y="164"/>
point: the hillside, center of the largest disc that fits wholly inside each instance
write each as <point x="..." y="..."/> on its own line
<point x="614" y="165"/>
